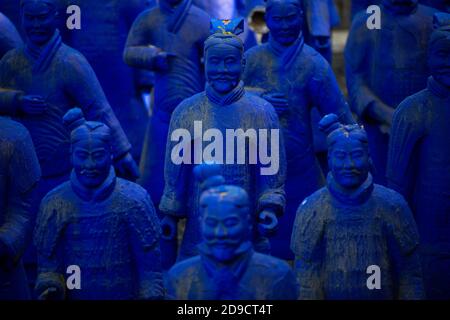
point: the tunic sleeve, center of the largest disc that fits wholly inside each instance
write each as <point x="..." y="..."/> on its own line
<point x="145" y="232"/>
<point x="356" y="54"/>
<point x="176" y="176"/>
<point x="407" y="130"/>
<point x="83" y="87"/>
<point x="139" y="52"/>
<point x="403" y="242"/>
<point x="326" y="95"/>
<point x="271" y="183"/>
<point x="306" y="244"/>
<point x="24" y="173"/>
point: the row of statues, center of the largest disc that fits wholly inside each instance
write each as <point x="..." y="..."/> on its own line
<point x="68" y="167"/>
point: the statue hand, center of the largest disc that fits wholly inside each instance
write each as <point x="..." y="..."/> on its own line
<point x="127" y="168"/>
<point x="162" y="61"/>
<point x="278" y="101"/>
<point x="32" y="104"/>
<point x="268" y="222"/>
<point x="169" y="227"/>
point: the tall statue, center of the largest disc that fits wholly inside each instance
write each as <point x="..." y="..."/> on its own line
<point x="19" y="174"/>
<point x="227" y="267"/>
<point x="41" y="81"/>
<point x="240" y="126"/>
<point x="294" y="78"/>
<point x="167" y="40"/>
<point x="385" y="66"/>
<point x="104" y="225"/>
<point x="354" y="239"/>
<point x="419" y="162"/>
<point x="101" y="40"/>
<point x="9" y="36"/>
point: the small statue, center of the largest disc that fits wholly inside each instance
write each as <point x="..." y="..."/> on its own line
<point x="353" y="227"/>
<point x="41" y="81"/>
<point x="385" y="66"/>
<point x="19" y="174"/>
<point x="9" y="37"/>
<point x="419" y="162"/>
<point x="224" y="106"/>
<point x="168" y="40"/>
<point x="104" y="225"/>
<point x="227" y="268"/>
<point x="294" y="78"/>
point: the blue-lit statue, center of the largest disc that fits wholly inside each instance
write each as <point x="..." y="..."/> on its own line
<point x="419" y="162"/>
<point x="9" y="37"/>
<point x="19" y="174"/>
<point x="294" y="78"/>
<point x="354" y="239"/>
<point x="41" y="81"/>
<point x="168" y="40"/>
<point x="227" y="268"/>
<point x="101" y="39"/>
<point x="225" y="112"/>
<point x="385" y="66"/>
<point x="104" y="225"/>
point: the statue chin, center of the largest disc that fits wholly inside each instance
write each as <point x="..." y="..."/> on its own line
<point x="223" y="255"/>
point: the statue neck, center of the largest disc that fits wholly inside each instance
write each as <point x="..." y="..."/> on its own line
<point x="98" y="194"/>
<point x="356" y="196"/>
<point x="280" y="49"/>
<point x="398" y="9"/>
<point x="438" y="89"/>
<point x="224" y="99"/>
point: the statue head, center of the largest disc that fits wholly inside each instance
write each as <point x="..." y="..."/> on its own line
<point x="91" y="148"/>
<point x="39" y="20"/>
<point x="284" y="19"/>
<point x="225" y="214"/>
<point x="348" y="152"/>
<point x="439" y="49"/>
<point x="224" y="62"/>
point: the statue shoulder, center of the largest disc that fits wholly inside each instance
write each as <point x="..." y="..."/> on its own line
<point x="58" y="196"/>
<point x="254" y="52"/>
<point x="413" y="106"/>
<point x="12" y="130"/>
<point x="190" y="105"/>
<point x="130" y="189"/>
<point x="389" y="198"/>
<point x="268" y="265"/>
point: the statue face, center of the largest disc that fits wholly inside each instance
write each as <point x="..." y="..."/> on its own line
<point x="224" y="67"/>
<point x="91" y="160"/>
<point x="224" y="228"/>
<point x="439" y="62"/>
<point x="284" y="21"/>
<point x="349" y="162"/>
<point x="39" y="22"/>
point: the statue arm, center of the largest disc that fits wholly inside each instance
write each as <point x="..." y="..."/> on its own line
<point x="176" y="176"/>
<point x="24" y="173"/>
<point x="139" y="51"/>
<point x="85" y="90"/>
<point x="363" y="101"/>
<point x="326" y="95"/>
<point x="403" y="242"/>
<point x="306" y="245"/>
<point x="271" y="184"/>
<point x="402" y="158"/>
<point x="145" y="233"/>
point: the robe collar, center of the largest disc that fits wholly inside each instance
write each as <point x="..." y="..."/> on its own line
<point x="354" y="197"/>
<point x="235" y="269"/>
<point x="287" y="55"/>
<point x="42" y="56"/>
<point x="400" y="10"/>
<point x="225" y="99"/>
<point x="94" y="195"/>
<point x="438" y="89"/>
<point x="177" y="15"/>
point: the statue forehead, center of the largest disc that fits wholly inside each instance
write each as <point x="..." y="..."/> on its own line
<point x="294" y="3"/>
<point x="222" y="48"/>
<point x="26" y="4"/>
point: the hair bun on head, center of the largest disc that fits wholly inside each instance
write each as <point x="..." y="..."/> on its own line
<point x="329" y="123"/>
<point x="209" y="176"/>
<point x="74" y="118"/>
